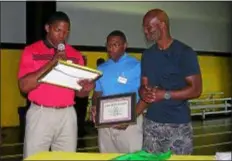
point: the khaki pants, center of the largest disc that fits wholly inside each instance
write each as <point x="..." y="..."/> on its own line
<point x="50" y="128"/>
<point x="121" y="141"/>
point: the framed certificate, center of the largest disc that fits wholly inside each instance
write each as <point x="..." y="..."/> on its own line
<point x="67" y="74"/>
<point x="115" y="110"/>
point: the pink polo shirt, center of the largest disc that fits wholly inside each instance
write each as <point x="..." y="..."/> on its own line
<point x="33" y="58"/>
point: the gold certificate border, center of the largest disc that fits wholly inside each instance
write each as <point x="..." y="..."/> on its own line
<point x="99" y="73"/>
<point x="80" y="67"/>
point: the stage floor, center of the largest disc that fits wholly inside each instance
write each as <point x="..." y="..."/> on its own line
<point x="210" y="135"/>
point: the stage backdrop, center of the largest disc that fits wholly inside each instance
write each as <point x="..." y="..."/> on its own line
<point x="13" y="22"/>
<point x="206" y="26"/>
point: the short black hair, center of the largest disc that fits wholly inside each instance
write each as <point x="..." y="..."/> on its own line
<point x="117" y="33"/>
<point x="100" y="61"/>
<point x="58" y="16"/>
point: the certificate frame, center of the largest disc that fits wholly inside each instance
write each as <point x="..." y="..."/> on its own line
<point x="130" y="98"/>
<point x="72" y="65"/>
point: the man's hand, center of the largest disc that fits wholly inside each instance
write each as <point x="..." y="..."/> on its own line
<point x="140" y="107"/>
<point x="150" y="95"/>
<point x="59" y="56"/>
<point x="147" y="94"/>
<point x="120" y="127"/>
<point x="87" y="85"/>
<point x="93" y="113"/>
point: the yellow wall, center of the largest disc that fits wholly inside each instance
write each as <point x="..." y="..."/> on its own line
<point x="215" y="72"/>
<point x="11" y="98"/>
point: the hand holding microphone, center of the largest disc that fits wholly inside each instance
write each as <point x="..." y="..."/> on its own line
<point x="60" y="52"/>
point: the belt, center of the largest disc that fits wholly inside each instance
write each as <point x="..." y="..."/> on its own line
<point x="55" y="107"/>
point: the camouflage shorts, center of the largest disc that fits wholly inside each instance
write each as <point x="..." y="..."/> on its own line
<point x="159" y="137"/>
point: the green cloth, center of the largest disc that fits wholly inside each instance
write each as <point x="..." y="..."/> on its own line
<point x="143" y="155"/>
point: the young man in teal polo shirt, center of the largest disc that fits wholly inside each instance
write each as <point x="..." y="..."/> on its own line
<point x="120" y="65"/>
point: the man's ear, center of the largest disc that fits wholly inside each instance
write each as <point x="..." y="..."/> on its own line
<point x="163" y="25"/>
<point x="125" y="45"/>
<point x="46" y="28"/>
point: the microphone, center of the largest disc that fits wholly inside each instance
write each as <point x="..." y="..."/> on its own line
<point x="60" y="47"/>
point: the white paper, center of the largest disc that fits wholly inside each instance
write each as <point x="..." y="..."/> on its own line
<point x="223" y="156"/>
<point x="117" y="110"/>
<point x="68" y="76"/>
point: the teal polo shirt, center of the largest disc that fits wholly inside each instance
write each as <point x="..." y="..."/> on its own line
<point x="126" y="67"/>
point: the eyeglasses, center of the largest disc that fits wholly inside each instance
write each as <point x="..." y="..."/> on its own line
<point x="114" y="45"/>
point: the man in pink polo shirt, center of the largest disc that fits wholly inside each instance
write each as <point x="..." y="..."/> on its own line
<point x="51" y="121"/>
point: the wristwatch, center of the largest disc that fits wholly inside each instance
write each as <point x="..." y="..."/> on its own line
<point x="167" y="95"/>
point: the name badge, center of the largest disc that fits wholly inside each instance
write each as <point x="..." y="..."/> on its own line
<point x="122" y="80"/>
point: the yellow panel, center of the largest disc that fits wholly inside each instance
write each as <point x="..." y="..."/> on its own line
<point x="216" y="74"/>
<point x="11" y="98"/>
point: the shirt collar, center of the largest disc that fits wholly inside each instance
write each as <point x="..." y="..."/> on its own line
<point x="48" y="44"/>
<point x="121" y="58"/>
